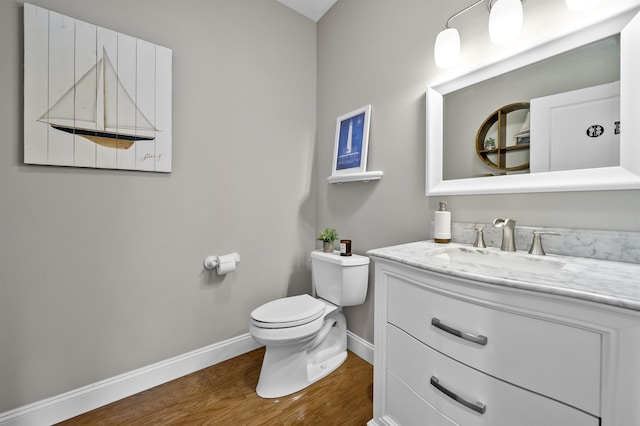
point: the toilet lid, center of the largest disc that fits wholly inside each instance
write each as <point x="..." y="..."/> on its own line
<point x="288" y="312"/>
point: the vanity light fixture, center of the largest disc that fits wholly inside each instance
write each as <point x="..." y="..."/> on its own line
<point x="446" y="51"/>
<point x="505" y="22"/>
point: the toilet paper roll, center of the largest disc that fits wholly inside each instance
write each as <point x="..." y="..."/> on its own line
<point x="226" y="267"/>
<point x="227" y="263"/>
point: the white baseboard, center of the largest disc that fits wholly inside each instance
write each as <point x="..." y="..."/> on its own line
<point x="87" y="398"/>
<point x="70" y="404"/>
<point x="360" y="347"/>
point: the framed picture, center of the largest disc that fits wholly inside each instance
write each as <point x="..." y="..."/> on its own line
<point x="352" y="141"/>
<point x="94" y="97"/>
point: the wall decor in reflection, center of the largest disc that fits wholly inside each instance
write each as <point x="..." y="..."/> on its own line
<point x="94" y="97"/>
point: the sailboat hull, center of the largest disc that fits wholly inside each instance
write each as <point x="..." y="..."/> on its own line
<point x="108" y="139"/>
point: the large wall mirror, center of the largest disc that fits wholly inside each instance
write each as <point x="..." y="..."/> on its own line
<point x="597" y="65"/>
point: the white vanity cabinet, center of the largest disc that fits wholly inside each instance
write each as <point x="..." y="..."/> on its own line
<point x="456" y="351"/>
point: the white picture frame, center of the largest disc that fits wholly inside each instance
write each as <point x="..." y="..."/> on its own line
<point x="351" y="142"/>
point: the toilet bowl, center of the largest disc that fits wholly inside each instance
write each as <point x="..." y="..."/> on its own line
<point x="306" y="337"/>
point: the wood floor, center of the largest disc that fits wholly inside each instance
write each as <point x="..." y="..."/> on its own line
<point x="224" y="394"/>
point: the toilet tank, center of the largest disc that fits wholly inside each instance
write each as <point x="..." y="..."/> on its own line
<point x="341" y="280"/>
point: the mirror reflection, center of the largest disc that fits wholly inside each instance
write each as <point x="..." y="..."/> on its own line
<point x="577" y="91"/>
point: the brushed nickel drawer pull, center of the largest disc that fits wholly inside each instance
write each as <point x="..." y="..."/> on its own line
<point x="480" y="340"/>
<point x="477" y="406"/>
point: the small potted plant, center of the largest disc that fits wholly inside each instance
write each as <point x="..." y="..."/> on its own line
<point x="489" y="143"/>
<point x="328" y="236"/>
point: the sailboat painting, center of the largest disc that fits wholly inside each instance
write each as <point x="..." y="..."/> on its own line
<point x="352" y="140"/>
<point x="94" y="97"/>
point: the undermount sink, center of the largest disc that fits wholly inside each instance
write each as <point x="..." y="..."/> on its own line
<point x="493" y="258"/>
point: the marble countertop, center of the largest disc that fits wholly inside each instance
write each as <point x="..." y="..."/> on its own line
<point x="600" y="281"/>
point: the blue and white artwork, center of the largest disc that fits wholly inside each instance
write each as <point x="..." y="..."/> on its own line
<point x="94" y="97"/>
<point x="350" y="142"/>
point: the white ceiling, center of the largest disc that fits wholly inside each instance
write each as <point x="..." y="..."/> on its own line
<point x="312" y="9"/>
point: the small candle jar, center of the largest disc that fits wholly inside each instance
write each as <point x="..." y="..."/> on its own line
<point x="345" y="247"/>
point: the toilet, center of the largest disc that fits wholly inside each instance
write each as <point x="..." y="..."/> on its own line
<point x="306" y="337"/>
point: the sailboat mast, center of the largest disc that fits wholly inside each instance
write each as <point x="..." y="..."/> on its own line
<point x="104" y="89"/>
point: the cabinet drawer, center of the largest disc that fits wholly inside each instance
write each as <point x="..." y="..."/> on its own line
<point x="496" y="403"/>
<point x="553" y="359"/>
<point x="405" y="407"/>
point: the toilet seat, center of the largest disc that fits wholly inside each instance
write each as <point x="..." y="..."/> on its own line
<point x="288" y="312"/>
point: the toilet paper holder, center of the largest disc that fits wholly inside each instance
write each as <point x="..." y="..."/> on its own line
<point x="214" y="262"/>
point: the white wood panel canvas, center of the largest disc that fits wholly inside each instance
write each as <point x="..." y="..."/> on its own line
<point x="94" y="97"/>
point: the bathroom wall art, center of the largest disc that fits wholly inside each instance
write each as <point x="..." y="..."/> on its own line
<point x="352" y="141"/>
<point x="94" y="97"/>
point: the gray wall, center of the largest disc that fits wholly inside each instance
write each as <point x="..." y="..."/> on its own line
<point x="380" y="52"/>
<point x="375" y="52"/>
<point x="101" y="270"/>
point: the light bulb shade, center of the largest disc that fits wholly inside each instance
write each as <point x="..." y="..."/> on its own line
<point x="580" y="4"/>
<point x="505" y="20"/>
<point x="446" y="51"/>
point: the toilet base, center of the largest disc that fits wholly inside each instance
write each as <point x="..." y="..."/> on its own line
<point x="317" y="372"/>
<point x="286" y="369"/>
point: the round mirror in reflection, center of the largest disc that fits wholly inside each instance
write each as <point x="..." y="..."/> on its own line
<point x="502" y="141"/>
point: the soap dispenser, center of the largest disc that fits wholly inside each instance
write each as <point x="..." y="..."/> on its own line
<point x="442" y="226"/>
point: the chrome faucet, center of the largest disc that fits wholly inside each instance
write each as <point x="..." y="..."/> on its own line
<point x="508" y="233"/>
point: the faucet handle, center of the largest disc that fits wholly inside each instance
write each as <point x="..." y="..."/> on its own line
<point x="536" y="245"/>
<point x="479" y="242"/>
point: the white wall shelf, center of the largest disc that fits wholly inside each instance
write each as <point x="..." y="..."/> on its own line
<point x="355" y="177"/>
